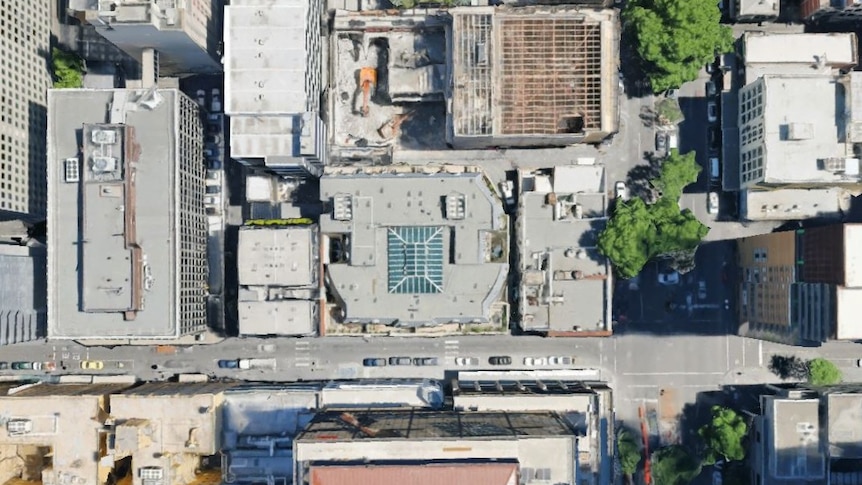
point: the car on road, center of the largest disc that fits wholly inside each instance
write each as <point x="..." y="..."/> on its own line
<point x="425" y="361"/>
<point x="500" y="360"/>
<point x="214" y="164"/>
<point x="26" y="365"/>
<point x="714" y="139"/>
<point x="859" y="363"/>
<point x="711" y="89"/>
<point x="621" y="191"/>
<point x="660" y="142"/>
<point x="400" y="361"/>
<point x="560" y="360"/>
<point x="49" y="365"/>
<point x="213" y="189"/>
<point x="374" y="362"/>
<point x="507" y="189"/>
<point x="668" y="278"/>
<point x="712" y="111"/>
<point x="535" y="361"/>
<point x="4" y="365"/>
<point x="92" y="364"/>
<point x="701" y="290"/>
<point x="228" y="364"/>
<point x="201" y="97"/>
<point x="215" y="104"/>
<point x="464" y="361"/>
<point x="712" y="203"/>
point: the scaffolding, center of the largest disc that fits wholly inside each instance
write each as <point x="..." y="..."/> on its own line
<point x="551" y="79"/>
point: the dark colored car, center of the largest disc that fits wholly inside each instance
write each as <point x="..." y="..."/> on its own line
<point x="374" y="362"/>
<point x="500" y="360"/>
<point x="4" y="365"/>
<point x="22" y="366"/>
<point x="228" y="364"/>
<point x="425" y="361"/>
<point x="400" y="361"/>
<point x="214" y="164"/>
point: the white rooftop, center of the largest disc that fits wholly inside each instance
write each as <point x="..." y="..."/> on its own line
<point x="265" y="56"/>
<point x="775" y="53"/>
<point x="853" y="255"/>
<point x="793" y="204"/>
<point x="797" y="138"/>
<point x="277" y="317"/>
<point x="276" y="256"/>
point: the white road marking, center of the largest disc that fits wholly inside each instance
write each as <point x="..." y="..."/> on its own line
<point x="674" y="373"/>
<point x="760" y="346"/>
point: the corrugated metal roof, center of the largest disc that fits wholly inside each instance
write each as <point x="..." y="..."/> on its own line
<point x="466" y="474"/>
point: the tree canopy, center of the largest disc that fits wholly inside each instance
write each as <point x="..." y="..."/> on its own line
<point x="723" y="436"/>
<point x="822" y="372"/>
<point x="638" y="232"/>
<point x="673" y="465"/>
<point x="677" y="171"/>
<point x="68" y="69"/>
<point x="676" y="38"/>
<point x="629" y="452"/>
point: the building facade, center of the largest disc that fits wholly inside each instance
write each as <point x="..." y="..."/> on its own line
<point x="185" y="35"/>
<point x="23" y="313"/>
<point x="801" y="287"/>
<point x="136" y="266"/>
<point x="24" y="45"/>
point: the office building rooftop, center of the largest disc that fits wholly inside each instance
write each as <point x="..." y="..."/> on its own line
<point x="118" y="256"/>
<point x="414" y="248"/>
<point x="277" y="256"/>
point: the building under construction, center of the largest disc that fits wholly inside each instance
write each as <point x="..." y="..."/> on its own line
<point x="534" y="76"/>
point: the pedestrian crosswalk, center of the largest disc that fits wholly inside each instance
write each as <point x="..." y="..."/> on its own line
<point x="452" y="349"/>
<point x="302" y="355"/>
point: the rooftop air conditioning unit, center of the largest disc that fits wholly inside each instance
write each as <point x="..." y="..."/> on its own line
<point x="18" y="427"/>
<point x="104" y="164"/>
<point x="104" y="137"/>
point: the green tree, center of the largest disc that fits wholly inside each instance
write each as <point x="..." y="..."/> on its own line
<point x="675" y="229"/>
<point x="822" y="372"/>
<point x="677" y="171"/>
<point x="723" y="436"/>
<point x="628" y="451"/>
<point x="673" y="465"/>
<point x="628" y="237"/>
<point x="68" y="69"/>
<point x="675" y="38"/>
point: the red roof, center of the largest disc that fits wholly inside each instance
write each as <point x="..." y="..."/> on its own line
<point x="460" y="474"/>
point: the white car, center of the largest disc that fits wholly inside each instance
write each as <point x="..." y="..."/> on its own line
<point x="465" y="361"/>
<point x="215" y="104"/>
<point x="712" y="111"/>
<point x="621" y="191"/>
<point x="560" y="360"/>
<point x="201" y="97"/>
<point x="712" y="206"/>
<point x="668" y="279"/>
<point x="535" y="361"/>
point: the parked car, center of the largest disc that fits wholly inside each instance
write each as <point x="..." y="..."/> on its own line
<point x="213" y="189"/>
<point x="24" y="365"/>
<point x="228" y="364"/>
<point x="425" y="361"/>
<point x="213" y="177"/>
<point x="213" y="139"/>
<point x="400" y="361"/>
<point x="714" y="139"/>
<point x="712" y="111"/>
<point x="672" y="141"/>
<point x="714" y="169"/>
<point x="670" y="93"/>
<point x="201" y="97"/>
<point x="712" y="205"/>
<point x="215" y="104"/>
<point x="500" y="360"/>
<point x="213" y="164"/>
<point x="668" y="278"/>
<point x="621" y="191"/>
<point x="560" y="360"/>
<point x="535" y="361"/>
<point x="213" y="200"/>
<point x="464" y="361"/>
<point x="92" y="364"/>
<point x="374" y="362"/>
<point x="209" y="153"/>
<point x="49" y="365"/>
<point x="711" y="88"/>
<point x="4" y="365"/>
<point x="507" y="189"/>
<point x="660" y="142"/>
<point x="701" y="290"/>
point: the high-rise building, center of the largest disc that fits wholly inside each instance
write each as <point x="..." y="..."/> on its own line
<point x="126" y="224"/>
<point x="186" y="34"/>
<point x="25" y="30"/>
<point x="273" y="72"/>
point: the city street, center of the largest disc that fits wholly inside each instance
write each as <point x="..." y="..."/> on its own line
<point x="639" y="365"/>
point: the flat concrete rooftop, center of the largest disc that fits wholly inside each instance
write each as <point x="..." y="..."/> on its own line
<point x="421" y="248"/>
<point x="94" y="254"/>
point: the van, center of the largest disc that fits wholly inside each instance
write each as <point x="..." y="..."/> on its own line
<point x="713" y="168"/>
<point x="672" y="141"/>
